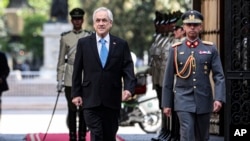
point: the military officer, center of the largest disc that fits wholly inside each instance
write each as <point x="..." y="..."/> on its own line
<point x="158" y="57"/>
<point x="191" y="96"/>
<point x="68" y="43"/>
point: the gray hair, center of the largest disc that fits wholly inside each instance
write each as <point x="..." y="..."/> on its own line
<point x="110" y="15"/>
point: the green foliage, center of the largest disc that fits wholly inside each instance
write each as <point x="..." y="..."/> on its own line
<point x="31" y="36"/>
<point x="133" y="20"/>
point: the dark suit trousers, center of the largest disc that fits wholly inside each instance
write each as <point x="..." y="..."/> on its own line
<point x="0" y="105"/>
<point x="102" y="123"/>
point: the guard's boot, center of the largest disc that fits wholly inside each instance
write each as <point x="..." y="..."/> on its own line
<point x="175" y="138"/>
<point x="72" y="125"/>
<point x="72" y="136"/>
<point x="166" y="136"/>
<point x="162" y="134"/>
<point x="81" y="136"/>
<point x="82" y="127"/>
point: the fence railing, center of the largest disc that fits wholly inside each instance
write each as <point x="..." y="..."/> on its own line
<point x="29" y="83"/>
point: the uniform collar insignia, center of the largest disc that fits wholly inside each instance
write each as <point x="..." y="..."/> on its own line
<point x="77" y="32"/>
<point x="193" y="44"/>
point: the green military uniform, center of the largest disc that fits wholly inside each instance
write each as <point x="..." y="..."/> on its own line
<point x="68" y="43"/>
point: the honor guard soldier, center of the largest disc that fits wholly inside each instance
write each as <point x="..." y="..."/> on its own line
<point x="192" y="61"/>
<point x="158" y="57"/>
<point x="68" y="43"/>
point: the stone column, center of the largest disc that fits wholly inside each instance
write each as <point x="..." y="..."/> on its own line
<point x="52" y="34"/>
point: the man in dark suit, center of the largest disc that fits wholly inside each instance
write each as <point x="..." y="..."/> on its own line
<point x="4" y="72"/>
<point x="98" y="84"/>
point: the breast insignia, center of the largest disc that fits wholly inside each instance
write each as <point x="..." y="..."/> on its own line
<point x="207" y="43"/>
<point x="176" y="44"/>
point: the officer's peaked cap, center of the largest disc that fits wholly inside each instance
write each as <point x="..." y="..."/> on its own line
<point x="192" y="16"/>
<point x="77" y="13"/>
<point x="178" y="24"/>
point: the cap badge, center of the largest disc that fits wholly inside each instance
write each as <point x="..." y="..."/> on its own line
<point x="191" y="17"/>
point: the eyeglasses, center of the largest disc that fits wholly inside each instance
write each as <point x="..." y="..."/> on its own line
<point x="193" y="24"/>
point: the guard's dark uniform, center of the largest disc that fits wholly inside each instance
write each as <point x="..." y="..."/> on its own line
<point x="159" y="51"/>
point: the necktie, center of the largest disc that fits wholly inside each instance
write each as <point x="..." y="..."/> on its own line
<point x="103" y="52"/>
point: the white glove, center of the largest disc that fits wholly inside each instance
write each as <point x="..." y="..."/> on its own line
<point x="59" y="86"/>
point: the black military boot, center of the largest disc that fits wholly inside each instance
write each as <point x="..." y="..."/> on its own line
<point x="72" y="136"/>
<point x="164" y="134"/>
<point x="81" y="136"/>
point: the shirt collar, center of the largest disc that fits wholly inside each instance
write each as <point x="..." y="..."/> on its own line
<point x="106" y="38"/>
<point x="77" y="31"/>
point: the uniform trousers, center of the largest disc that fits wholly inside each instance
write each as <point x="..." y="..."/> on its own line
<point x="73" y="114"/>
<point x="194" y="127"/>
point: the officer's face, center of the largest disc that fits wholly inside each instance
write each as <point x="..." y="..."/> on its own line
<point x="192" y="30"/>
<point x="102" y="23"/>
<point x="179" y="33"/>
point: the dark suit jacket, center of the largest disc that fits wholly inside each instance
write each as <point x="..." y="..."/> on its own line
<point x="4" y="72"/>
<point x="102" y="85"/>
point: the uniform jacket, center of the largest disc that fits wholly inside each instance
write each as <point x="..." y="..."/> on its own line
<point x="102" y="85"/>
<point x="194" y="94"/>
<point x="67" y="52"/>
<point x="159" y="53"/>
<point x="4" y="72"/>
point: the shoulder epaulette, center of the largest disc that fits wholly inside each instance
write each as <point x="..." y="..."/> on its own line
<point x="176" y="44"/>
<point x="207" y="43"/>
<point x="64" y="33"/>
<point x="88" y="31"/>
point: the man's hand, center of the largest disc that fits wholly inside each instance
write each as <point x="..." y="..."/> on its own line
<point x="217" y="106"/>
<point x="167" y="111"/>
<point x="126" y="95"/>
<point x="59" y="86"/>
<point x="77" y="101"/>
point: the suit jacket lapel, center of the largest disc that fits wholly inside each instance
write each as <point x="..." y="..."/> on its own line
<point x="95" y="49"/>
<point x="112" y="45"/>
